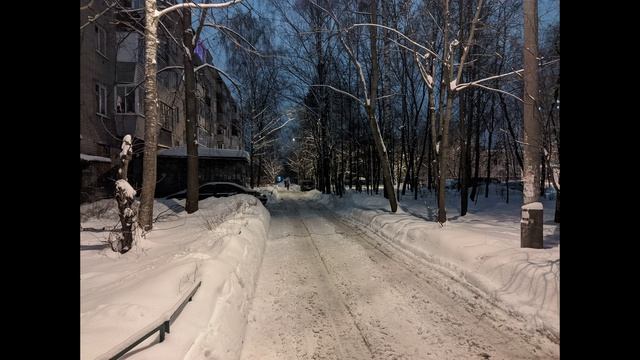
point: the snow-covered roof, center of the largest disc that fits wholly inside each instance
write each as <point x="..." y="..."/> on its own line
<point x="205" y="152"/>
<point x="94" y="158"/>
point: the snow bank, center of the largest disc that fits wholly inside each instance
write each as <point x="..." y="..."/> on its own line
<point x="94" y="158"/>
<point x="277" y="193"/>
<point x="221" y="245"/>
<point x="525" y="282"/>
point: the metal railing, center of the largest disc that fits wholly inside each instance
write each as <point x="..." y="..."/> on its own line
<point x="162" y="325"/>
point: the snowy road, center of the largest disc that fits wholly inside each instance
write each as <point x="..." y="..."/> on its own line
<point x="329" y="289"/>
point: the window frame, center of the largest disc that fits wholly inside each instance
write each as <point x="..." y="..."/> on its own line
<point x="102" y="99"/>
<point x="101" y="40"/>
<point x="136" y="99"/>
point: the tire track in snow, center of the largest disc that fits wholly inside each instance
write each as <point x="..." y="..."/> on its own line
<point x="330" y="290"/>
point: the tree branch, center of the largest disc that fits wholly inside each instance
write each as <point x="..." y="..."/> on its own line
<point x="517" y="72"/>
<point x="194" y="5"/>
<point x="86" y="6"/>
<point x="341" y="92"/>
<point x="203" y="15"/>
<point x="498" y="90"/>
<point x="220" y="71"/>
<point x="401" y="34"/>
<point x="465" y="53"/>
<point x="94" y="18"/>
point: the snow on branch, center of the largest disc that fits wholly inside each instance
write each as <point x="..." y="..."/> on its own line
<point x="234" y="82"/>
<point x="386" y="96"/>
<point x="399" y="33"/>
<point x="428" y="79"/>
<point x="126" y="147"/>
<point x="259" y="137"/>
<point x="517" y="72"/>
<point x="261" y="111"/>
<point x="235" y="33"/>
<point x="86" y="6"/>
<point x="498" y="90"/>
<point x="194" y="5"/>
<point x="340" y="91"/>
<point x="123" y="187"/>
<point x="467" y="46"/>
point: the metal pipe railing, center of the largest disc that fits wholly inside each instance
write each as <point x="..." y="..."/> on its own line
<point x="161" y="325"/>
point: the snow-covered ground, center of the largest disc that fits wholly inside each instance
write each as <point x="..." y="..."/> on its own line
<point x="329" y="289"/>
<point x="481" y="248"/>
<point x="221" y="245"/>
<point x="382" y="293"/>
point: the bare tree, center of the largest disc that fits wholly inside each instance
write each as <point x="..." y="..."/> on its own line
<point x="254" y="60"/>
<point x="369" y="91"/>
<point x="532" y="210"/>
<point x="149" y="166"/>
<point x="272" y="168"/>
<point x="149" y="169"/>
<point x="189" y="41"/>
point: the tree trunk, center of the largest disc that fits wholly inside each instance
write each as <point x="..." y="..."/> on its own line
<point x="373" y="123"/>
<point x="506" y="163"/>
<point x="251" y="165"/>
<point x="542" y="176"/>
<point x="127" y="211"/>
<point x="466" y="154"/>
<point x="465" y="165"/>
<point x="191" y="114"/>
<point x="505" y="112"/>
<point x="149" y="166"/>
<point x="422" y="151"/>
<point x="476" y="175"/>
<point x="531" y="228"/>
<point x="259" y="170"/>
<point x="488" y="180"/>
<point x="556" y="217"/>
<point x="442" y="211"/>
<point x="127" y="205"/>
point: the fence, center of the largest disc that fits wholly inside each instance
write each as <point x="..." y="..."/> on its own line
<point x="162" y="325"/>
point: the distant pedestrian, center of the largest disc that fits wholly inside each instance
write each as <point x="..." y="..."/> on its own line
<point x="286" y="183"/>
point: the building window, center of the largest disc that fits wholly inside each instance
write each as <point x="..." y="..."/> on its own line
<point x="101" y="40"/>
<point x="163" y="50"/>
<point x="104" y="150"/>
<point x="101" y="99"/>
<point x="132" y="4"/>
<point x="168" y="116"/>
<point x="126" y="99"/>
<point x="220" y="145"/>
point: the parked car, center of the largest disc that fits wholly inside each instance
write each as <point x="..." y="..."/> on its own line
<point x="221" y="189"/>
<point x="306" y="185"/>
<point x="359" y="181"/>
<point x="516" y="185"/>
<point x="451" y="183"/>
